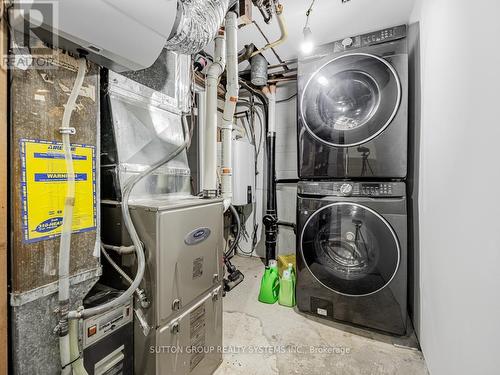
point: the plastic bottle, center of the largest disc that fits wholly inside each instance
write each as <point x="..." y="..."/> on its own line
<point x="270" y="284"/>
<point x="287" y="287"/>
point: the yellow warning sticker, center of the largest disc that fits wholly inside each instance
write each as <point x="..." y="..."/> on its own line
<point x="43" y="186"/>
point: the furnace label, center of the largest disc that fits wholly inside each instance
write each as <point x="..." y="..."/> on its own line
<point x="43" y="186"/>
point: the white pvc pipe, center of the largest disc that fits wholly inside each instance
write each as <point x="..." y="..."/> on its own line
<point x="232" y="89"/>
<point x="76" y="359"/>
<point x="65" y="242"/>
<point x="210" y="150"/>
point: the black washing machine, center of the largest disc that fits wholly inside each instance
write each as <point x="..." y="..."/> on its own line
<point x="352" y="253"/>
<point x="352" y="108"/>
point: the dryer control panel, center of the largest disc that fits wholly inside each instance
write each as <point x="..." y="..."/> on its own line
<point x="383" y="36"/>
<point x="352" y="189"/>
<point x="377" y="37"/>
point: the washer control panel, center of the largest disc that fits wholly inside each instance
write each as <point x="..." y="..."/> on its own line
<point x="381" y="36"/>
<point x="376" y="189"/>
<point x="352" y="189"/>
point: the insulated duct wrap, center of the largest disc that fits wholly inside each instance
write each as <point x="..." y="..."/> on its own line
<point x="141" y="123"/>
<point x="198" y="23"/>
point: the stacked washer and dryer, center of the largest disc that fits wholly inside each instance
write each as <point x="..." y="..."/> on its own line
<point x="352" y="164"/>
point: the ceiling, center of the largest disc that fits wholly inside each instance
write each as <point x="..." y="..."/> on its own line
<point x="329" y="20"/>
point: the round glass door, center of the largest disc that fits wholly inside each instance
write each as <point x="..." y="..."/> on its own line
<point x="350" y="100"/>
<point x="350" y="249"/>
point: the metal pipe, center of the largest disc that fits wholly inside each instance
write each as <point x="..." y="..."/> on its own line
<point x="214" y="71"/>
<point x="267" y="41"/>
<point x="232" y="90"/>
<point x="287" y="79"/>
<point x="246" y="53"/>
<point x="283" y="30"/>
<point x="284" y="63"/>
<point x="271" y="218"/>
<point x="258" y="70"/>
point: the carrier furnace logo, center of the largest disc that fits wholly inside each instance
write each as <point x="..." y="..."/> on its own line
<point x="30" y="21"/>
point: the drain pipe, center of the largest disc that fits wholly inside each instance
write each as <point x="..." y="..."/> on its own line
<point x="270" y="220"/>
<point x="65" y="242"/>
<point x="215" y="69"/>
<point x="232" y="89"/>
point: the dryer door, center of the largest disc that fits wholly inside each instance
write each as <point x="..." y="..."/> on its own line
<point x="350" y="249"/>
<point x="350" y="100"/>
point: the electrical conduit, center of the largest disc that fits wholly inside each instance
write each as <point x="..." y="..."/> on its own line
<point x="232" y="89"/>
<point x="65" y="242"/>
<point x="215" y="69"/>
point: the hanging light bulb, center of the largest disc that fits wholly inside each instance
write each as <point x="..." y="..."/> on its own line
<point x="307" y="43"/>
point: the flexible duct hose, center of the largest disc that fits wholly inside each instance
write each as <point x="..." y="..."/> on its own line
<point x="139" y="250"/>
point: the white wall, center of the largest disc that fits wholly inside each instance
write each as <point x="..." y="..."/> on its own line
<point x="459" y="192"/>
<point x="330" y="20"/>
<point x="286" y="164"/>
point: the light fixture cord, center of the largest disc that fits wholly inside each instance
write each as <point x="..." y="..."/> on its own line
<point x="308" y="13"/>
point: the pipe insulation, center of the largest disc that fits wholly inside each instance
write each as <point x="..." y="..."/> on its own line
<point x="65" y="243"/>
<point x="198" y="21"/>
<point x="214" y="71"/>
<point x="232" y="89"/>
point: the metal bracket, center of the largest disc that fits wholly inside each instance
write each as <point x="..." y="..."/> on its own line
<point x="70" y="131"/>
<point x="175" y="328"/>
<point x="176" y="304"/>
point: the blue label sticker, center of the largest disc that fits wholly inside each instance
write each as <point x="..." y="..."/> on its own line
<point x="58" y="177"/>
<point x="49" y="155"/>
<point x="49" y="225"/>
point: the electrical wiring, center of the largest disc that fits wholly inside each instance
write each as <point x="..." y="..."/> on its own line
<point x="308" y="13"/>
<point x="287" y="99"/>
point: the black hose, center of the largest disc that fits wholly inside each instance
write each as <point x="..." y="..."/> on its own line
<point x="229" y="253"/>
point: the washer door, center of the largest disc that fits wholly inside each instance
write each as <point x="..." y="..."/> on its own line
<point x="350" y="100"/>
<point x="350" y="249"/>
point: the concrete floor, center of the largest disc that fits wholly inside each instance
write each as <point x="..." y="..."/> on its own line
<point x="272" y="339"/>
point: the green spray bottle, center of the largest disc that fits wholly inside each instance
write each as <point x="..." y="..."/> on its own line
<point x="287" y="287"/>
<point x="270" y="284"/>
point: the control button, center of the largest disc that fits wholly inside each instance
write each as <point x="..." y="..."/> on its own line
<point x="346" y="189"/>
<point x="347" y="42"/>
<point x="91" y="331"/>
